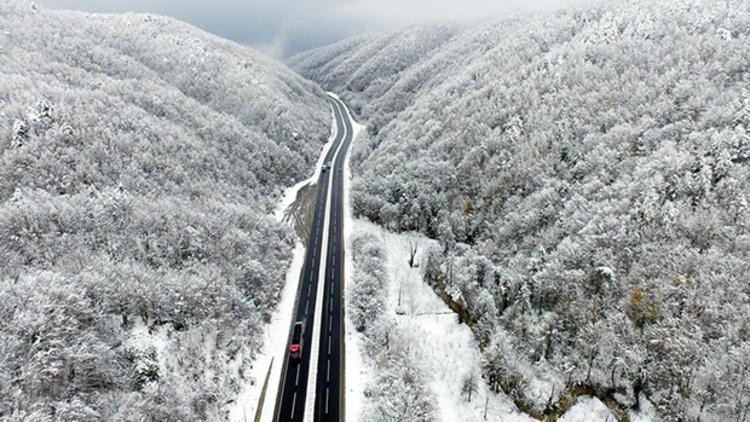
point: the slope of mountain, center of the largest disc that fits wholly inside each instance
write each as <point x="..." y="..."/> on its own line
<point x="139" y="160"/>
<point x="586" y="172"/>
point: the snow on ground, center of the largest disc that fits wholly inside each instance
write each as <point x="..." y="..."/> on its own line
<point x="356" y="374"/>
<point x="540" y="389"/>
<point x="446" y="349"/>
<point x="647" y="412"/>
<point x="276" y="332"/>
<point x="274" y="347"/>
<point x="588" y="409"/>
<point x="141" y="339"/>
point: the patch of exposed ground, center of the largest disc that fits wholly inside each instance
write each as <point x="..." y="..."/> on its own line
<point x="300" y="212"/>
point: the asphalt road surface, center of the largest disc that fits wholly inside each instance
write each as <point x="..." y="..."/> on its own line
<point x="329" y="387"/>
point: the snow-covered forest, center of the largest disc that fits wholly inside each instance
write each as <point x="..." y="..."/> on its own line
<point x="587" y="174"/>
<point x="139" y="161"/>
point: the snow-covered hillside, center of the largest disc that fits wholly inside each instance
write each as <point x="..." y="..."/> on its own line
<point x="140" y="159"/>
<point x="586" y="175"/>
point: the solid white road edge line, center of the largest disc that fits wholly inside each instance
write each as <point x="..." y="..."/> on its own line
<point x="312" y="374"/>
<point x="283" y="315"/>
<point x="353" y="391"/>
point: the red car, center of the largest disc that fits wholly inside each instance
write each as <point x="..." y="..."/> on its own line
<point x="295" y="348"/>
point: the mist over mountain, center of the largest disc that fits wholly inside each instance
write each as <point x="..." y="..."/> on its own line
<point x="285" y="27"/>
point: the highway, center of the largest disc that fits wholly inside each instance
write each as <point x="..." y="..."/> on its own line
<point x="295" y="374"/>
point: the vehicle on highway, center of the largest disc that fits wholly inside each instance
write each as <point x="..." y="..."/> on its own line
<point x="326" y="167"/>
<point x="295" y="348"/>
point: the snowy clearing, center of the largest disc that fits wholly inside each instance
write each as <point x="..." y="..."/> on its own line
<point x="446" y="349"/>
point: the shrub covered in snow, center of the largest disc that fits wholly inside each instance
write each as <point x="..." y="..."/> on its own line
<point x="368" y="292"/>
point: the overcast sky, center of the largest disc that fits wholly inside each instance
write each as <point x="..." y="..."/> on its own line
<point x="283" y="27"/>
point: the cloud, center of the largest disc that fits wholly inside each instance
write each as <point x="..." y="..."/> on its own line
<point x="283" y="27"/>
<point x="398" y="13"/>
